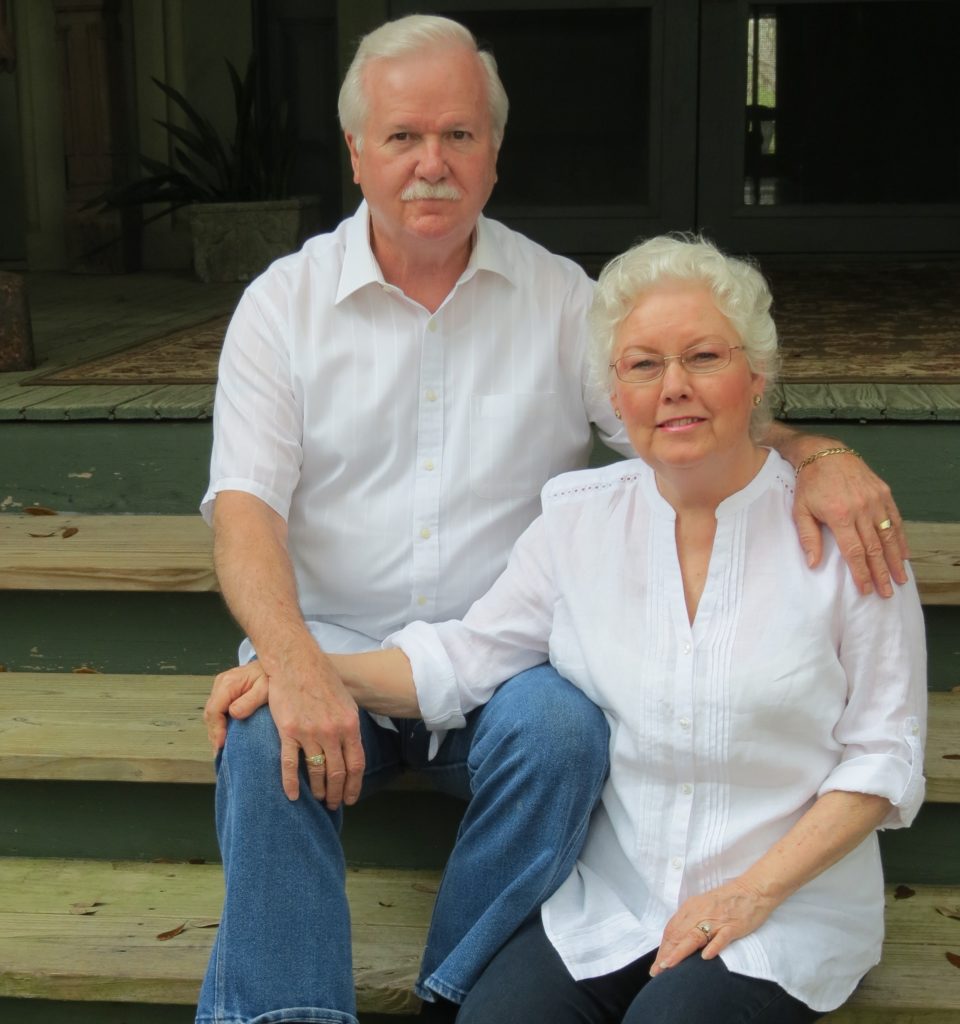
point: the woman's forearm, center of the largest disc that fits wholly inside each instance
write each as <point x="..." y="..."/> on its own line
<point x="836" y="824"/>
<point x="380" y="682"/>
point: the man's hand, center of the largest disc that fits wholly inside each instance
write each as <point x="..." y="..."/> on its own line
<point x="843" y="493"/>
<point x="314" y="713"/>
<point x="315" y="719"/>
<point x="709" y="923"/>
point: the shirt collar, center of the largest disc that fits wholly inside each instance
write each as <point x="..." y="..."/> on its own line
<point x="360" y="266"/>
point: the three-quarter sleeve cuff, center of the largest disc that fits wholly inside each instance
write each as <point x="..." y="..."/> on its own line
<point x="898" y="778"/>
<point x="433" y="675"/>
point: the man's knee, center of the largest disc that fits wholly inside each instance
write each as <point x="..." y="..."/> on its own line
<point x="253" y="745"/>
<point x="548" y="721"/>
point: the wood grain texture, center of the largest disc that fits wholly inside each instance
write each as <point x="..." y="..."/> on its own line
<point x="175" y="553"/>
<point x="89" y="930"/>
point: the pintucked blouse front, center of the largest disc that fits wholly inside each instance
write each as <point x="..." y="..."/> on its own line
<point x="788" y="684"/>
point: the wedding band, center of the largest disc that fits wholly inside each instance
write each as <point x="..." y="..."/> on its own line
<point x="885" y="525"/>
<point x="317" y="760"/>
<point x="704" y="926"/>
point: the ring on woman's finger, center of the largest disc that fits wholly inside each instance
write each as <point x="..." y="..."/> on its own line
<point x="317" y="760"/>
<point x="887" y="524"/>
<point x="706" y="928"/>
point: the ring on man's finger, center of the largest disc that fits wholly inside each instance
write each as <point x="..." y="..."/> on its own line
<point x="887" y="524"/>
<point x="706" y="928"/>
<point x="317" y="760"/>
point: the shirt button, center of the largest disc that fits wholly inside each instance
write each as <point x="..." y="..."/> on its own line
<point x="686" y="789"/>
<point x="425" y="532"/>
<point x="421" y="600"/>
<point x="677" y="863"/>
<point x="431" y="325"/>
<point x="686" y="648"/>
<point x="684" y="723"/>
<point x="428" y="465"/>
<point x="431" y="395"/>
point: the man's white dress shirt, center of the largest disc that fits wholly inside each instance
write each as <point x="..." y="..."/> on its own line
<point x="406" y="450"/>
<point x="787" y="685"/>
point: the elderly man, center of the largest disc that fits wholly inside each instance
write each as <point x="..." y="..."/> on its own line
<point x="391" y="400"/>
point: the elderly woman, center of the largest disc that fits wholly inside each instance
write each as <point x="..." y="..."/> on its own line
<point x="765" y="718"/>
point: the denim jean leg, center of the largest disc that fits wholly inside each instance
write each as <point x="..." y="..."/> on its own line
<point x="524" y="825"/>
<point x="282" y="951"/>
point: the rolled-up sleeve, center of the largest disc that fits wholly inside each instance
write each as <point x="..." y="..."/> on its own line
<point x="458" y="665"/>
<point x="883" y="726"/>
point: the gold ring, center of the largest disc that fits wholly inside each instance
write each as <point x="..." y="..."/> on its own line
<point x="704" y="926"/>
<point x="317" y="760"/>
<point x="885" y="525"/>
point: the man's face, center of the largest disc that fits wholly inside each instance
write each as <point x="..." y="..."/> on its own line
<point x="427" y="134"/>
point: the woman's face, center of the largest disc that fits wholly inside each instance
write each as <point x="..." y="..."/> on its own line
<point x="684" y="420"/>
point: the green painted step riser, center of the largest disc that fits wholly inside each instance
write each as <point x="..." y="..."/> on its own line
<point x="193" y="634"/>
<point x="161" y="467"/>
<point x="168" y="822"/>
<point x="42" y="1011"/>
<point x="130" y="821"/>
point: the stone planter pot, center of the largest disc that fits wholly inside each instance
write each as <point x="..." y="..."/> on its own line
<point x="238" y="241"/>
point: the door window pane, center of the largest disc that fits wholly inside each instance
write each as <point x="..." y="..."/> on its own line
<point x="852" y="103"/>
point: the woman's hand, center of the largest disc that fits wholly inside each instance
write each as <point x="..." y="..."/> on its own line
<point x="726" y="913"/>
<point x="236" y="693"/>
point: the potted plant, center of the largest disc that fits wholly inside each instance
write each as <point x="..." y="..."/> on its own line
<point x="236" y="194"/>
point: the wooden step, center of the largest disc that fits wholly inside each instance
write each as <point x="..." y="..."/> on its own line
<point x="119" y="728"/>
<point x="141" y="933"/>
<point x="174" y="553"/>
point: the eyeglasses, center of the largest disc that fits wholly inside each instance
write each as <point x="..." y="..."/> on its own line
<point x="639" y="367"/>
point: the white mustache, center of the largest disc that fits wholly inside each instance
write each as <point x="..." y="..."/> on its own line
<point x="427" y="190"/>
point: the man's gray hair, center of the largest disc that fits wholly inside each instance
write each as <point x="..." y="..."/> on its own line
<point x="740" y="291"/>
<point x="414" y="34"/>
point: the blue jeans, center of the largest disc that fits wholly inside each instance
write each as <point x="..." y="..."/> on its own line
<point x="527" y="981"/>
<point x="531" y="763"/>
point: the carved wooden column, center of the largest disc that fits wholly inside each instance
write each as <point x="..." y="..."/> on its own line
<point x="90" y="58"/>
<point x="16" y="334"/>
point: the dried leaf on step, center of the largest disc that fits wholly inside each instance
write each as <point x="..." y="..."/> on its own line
<point x="953" y="912"/>
<point x="163" y="936"/>
<point x="954" y="959"/>
<point x="951" y="757"/>
<point x="187" y="925"/>
<point x="51" y="534"/>
<point x="420" y="887"/>
<point x="39" y="510"/>
<point x="85" y="670"/>
<point x="85" y="909"/>
<point x="385" y="903"/>
<point x="903" y="892"/>
<point x="70" y="531"/>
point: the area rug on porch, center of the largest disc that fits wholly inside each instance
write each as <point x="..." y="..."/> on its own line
<point x="185" y="356"/>
<point x="843" y="324"/>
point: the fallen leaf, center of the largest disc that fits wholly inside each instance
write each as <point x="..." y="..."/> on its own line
<point x="953" y="912"/>
<point x="70" y="531"/>
<point x="85" y="909"/>
<point x="196" y="860"/>
<point x="85" y="670"/>
<point x="956" y="689"/>
<point x="954" y="959"/>
<point x="186" y="926"/>
<point x="951" y="757"/>
<point x="420" y="887"/>
<point x="51" y="534"/>
<point x="384" y="903"/>
<point x="903" y="892"/>
<point x="39" y="510"/>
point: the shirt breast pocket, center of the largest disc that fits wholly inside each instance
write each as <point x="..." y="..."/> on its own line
<point x="512" y="443"/>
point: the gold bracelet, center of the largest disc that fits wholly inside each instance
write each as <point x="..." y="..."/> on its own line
<point x="826" y="451"/>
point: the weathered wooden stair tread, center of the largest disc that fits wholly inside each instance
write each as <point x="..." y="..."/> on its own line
<point x="91" y="930"/>
<point x="174" y="553"/>
<point x="130" y="728"/>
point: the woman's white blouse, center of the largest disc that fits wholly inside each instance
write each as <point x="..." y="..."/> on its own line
<point x="787" y="685"/>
